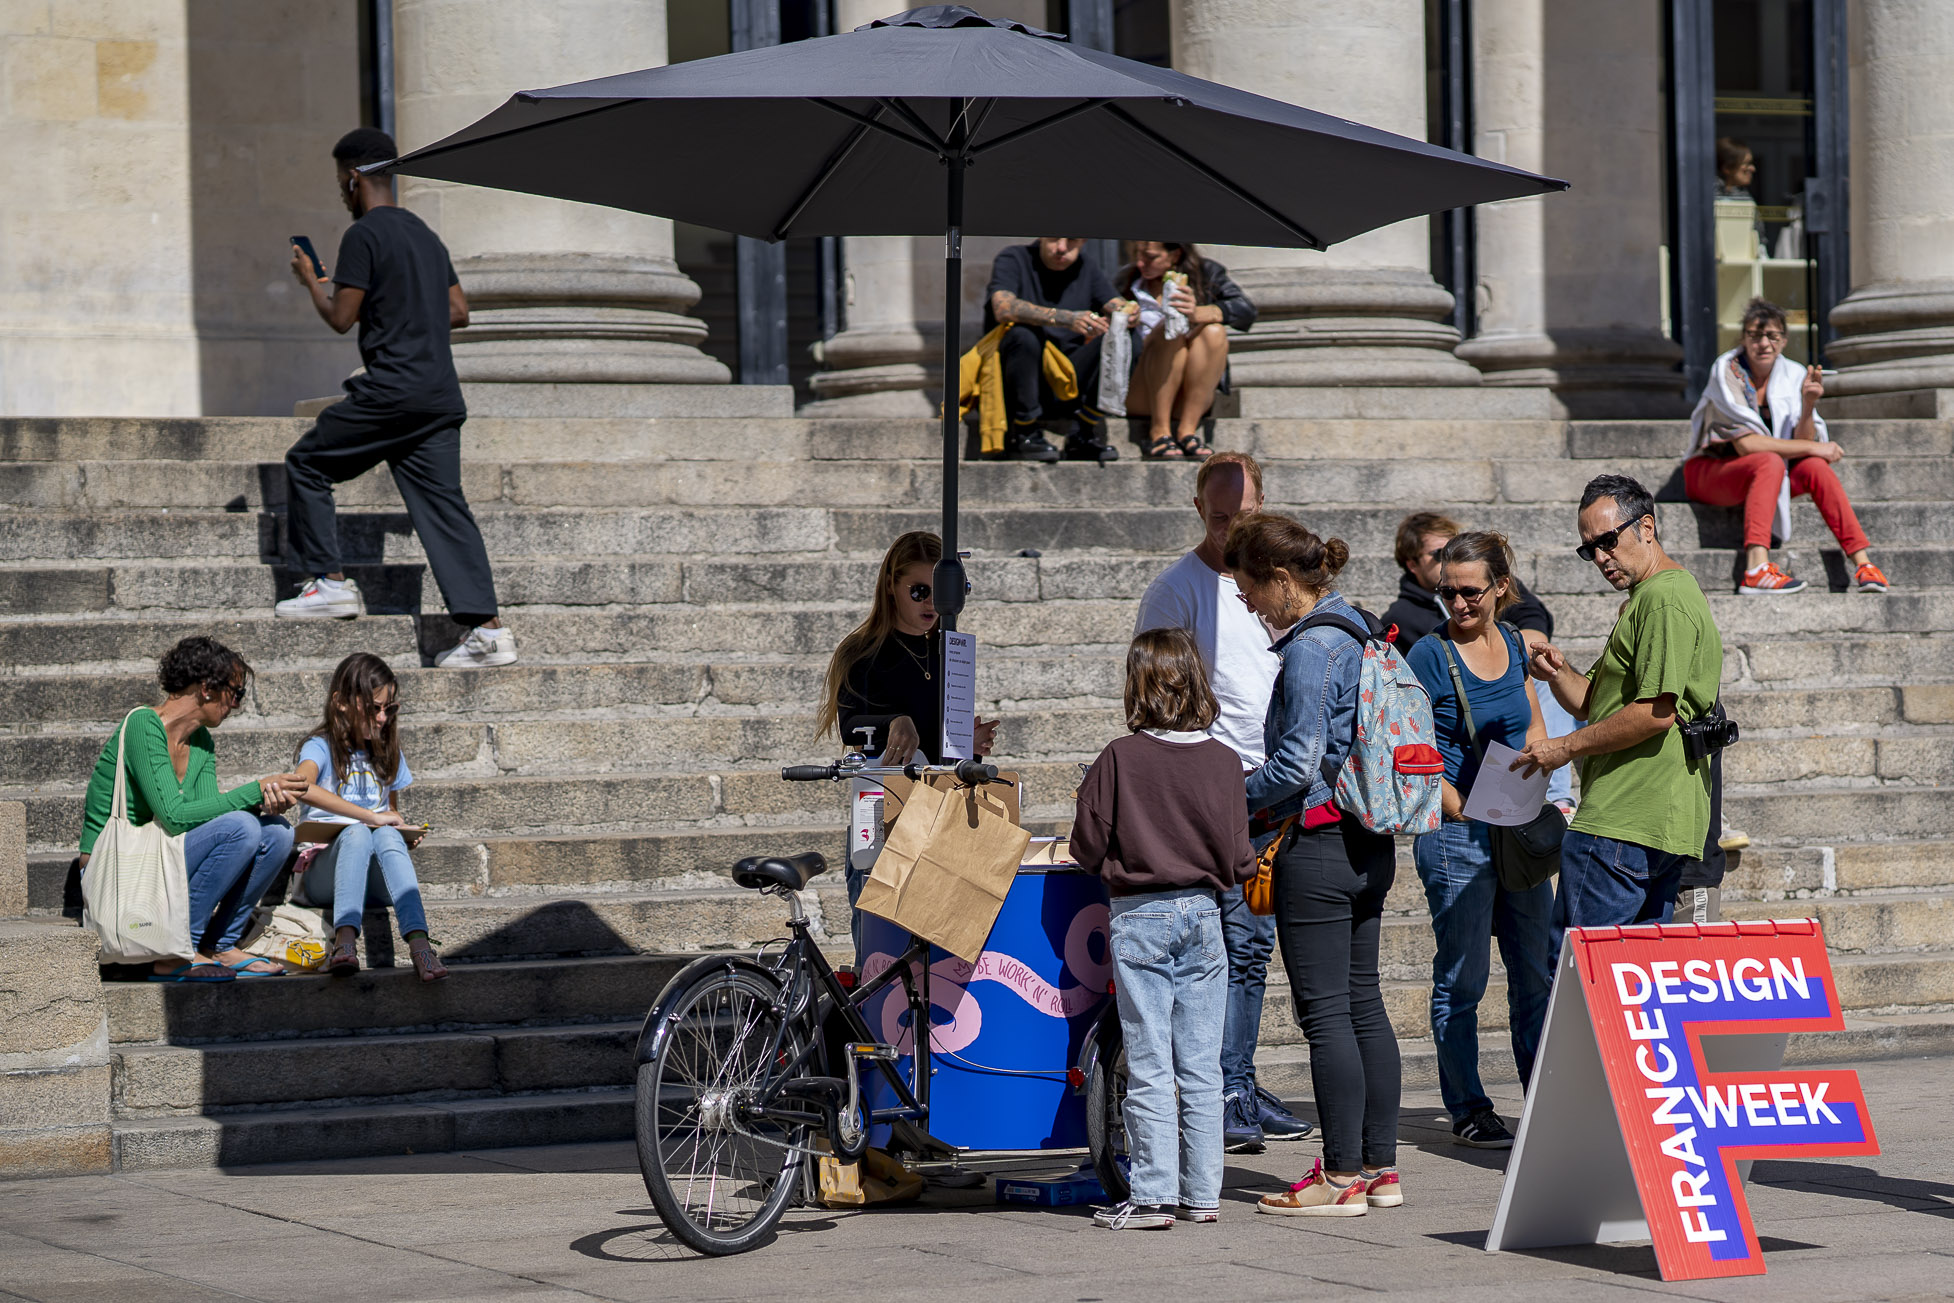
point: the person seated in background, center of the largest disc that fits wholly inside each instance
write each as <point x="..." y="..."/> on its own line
<point x="1736" y="168"/>
<point x="1756" y="439"/>
<point x="1175" y="375"/>
<point x="1053" y="295"/>
<point x="1422" y="537"/>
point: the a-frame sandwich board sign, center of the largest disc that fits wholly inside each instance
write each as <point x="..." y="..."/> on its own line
<point x="1658" y="1079"/>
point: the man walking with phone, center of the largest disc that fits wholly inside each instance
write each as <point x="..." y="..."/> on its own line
<point x="394" y="278"/>
<point x="1645" y="802"/>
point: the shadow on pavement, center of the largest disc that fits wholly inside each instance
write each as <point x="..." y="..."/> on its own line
<point x="1935" y="1198"/>
<point x="1618" y="1259"/>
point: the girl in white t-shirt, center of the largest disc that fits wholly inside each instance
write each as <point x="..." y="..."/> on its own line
<point x="354" y="771"/>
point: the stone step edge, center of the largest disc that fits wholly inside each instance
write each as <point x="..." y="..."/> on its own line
<point x="304" y="1134"/>
<point x="558" y="1117"/>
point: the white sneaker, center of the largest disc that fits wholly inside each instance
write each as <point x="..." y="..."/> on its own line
<point x="480" y="649"/>
<point x="323" y="599"/>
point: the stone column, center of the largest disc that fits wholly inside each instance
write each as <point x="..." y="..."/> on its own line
<point x="1568" y="284"/>
<point x="1367" y="311"/>
<point x="890" y="350"/>
<point x="572" y="305"/>
<point x="1896" y="328"/>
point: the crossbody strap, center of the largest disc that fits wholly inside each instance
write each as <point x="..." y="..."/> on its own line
<point x="1465" y="703"/>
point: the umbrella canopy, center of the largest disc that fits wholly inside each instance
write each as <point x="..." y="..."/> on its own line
<point x="942" y="120"/>
<point x="845" y="135"/>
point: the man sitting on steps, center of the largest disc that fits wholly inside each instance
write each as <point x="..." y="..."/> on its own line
<point x="1051" y="292"/>
<point x="394" y="278"/>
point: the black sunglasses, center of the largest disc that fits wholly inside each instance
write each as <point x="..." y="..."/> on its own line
<point x="921" y="592"/>
<point x="1446" y="593"/>
<point x="233" y="691"/>
<point x="1605" y="542"/>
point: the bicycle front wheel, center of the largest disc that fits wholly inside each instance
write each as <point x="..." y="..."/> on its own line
<point x="719" y="1182"/>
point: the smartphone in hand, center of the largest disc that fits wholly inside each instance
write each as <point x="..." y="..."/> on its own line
<point x="311" y="256"/>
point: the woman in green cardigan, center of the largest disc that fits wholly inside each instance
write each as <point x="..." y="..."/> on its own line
<point x="235" y="843"/>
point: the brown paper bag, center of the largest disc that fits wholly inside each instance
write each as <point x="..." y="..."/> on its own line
<point x="944" y="872"/>
<point x="1000" y="798"/>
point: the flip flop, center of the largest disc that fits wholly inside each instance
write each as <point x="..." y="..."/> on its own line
<point x="196" y="973"/>
<point x="243" y="967"/>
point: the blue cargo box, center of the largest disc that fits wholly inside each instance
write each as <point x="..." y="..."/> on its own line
<point x="1079" y="1188"/>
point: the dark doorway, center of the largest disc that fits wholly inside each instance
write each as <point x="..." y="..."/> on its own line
<point x="1757" y="170"/>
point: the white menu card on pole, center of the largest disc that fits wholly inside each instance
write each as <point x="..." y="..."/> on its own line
<point x="959" y="694"/>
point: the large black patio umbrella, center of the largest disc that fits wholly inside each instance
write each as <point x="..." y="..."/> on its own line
<point x="941" y="119"/>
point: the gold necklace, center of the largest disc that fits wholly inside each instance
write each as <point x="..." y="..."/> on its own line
<point x="922" y="662"/>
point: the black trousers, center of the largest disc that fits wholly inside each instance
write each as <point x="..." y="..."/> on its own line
<point x="1027" y="398"/>
<point x="1330" y="885"/>
<point x="423" y="450"/>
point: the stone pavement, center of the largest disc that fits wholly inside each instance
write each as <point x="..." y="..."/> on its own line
<point x="573" y="1221"/>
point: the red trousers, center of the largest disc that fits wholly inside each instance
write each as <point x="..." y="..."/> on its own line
<point x="1753" y="481"/>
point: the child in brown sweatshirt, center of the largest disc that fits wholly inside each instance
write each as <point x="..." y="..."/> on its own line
<point x="1163" y="820"/>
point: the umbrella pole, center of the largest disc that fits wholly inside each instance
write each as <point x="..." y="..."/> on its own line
<point x="949" y="580"/>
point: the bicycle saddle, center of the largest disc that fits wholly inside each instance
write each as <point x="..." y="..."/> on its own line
<point x="789" y="871"/>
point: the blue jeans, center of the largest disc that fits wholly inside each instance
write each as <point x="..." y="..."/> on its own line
<point x="231" y="861"/>
<point x="1560" y="786"/>
<point x="1250" y="939"/>
<point x="367" y="866"/>
<point x="1604" y="882"/>
<point x="1469" y="908"/>
<point x="1170" y="977"/>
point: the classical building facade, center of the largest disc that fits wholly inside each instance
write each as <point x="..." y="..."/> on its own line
<point x="161" y="151"/>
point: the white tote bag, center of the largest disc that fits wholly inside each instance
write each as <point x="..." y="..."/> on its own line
<point x="136" y="890"/>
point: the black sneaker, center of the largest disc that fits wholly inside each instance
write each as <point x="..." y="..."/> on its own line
<point x="1130" y="1216"/>
<point x="1080" y="447"/>
<point x="1277" y="1122"/>
<point x="1483" y="1130"/>
<point x="1241" y="1132"/>
<point x="1030" y="446"/>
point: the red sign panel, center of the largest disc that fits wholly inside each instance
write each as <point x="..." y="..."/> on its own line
<point x="1653" y="993"/>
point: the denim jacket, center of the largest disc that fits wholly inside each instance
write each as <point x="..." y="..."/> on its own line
<point x="1312" y="720"/>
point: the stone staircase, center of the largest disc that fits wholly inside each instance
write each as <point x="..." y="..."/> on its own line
<point x="676" y="586"/>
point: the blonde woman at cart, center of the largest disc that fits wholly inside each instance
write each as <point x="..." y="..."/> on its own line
<point x="885" y="677"/>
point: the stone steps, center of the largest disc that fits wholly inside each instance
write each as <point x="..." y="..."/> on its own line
<point x="266" y="439"/>
<point x="370" y="536"/>
<point x="187" y="585"/>
<point x="667" y="632"/>
<point x="1299" y="484"/>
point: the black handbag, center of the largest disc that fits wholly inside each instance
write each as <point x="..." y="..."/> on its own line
<point x="1528" y="855"/>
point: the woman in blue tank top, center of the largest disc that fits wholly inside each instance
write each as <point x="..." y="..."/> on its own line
<point x="1468" y="905"/>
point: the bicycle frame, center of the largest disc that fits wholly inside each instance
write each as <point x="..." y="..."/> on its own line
<point x="803" y="955"/>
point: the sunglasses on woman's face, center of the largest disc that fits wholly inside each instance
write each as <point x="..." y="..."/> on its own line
<point x="1605" y="542"/>
<point x="1446" y="593"/>
<point x="921" y="592"/>
<point x="1765" y="336"/>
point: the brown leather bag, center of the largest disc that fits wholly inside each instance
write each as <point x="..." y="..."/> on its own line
<point x="1259" y="892"/>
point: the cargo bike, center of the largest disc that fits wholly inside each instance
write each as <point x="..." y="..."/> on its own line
<point x="750" y="1069"/>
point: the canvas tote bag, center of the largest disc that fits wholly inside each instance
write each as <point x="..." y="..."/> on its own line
<point x="136" y="891"/>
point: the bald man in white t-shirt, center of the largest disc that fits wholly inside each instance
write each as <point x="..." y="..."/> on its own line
<point x="1197" y="593"/>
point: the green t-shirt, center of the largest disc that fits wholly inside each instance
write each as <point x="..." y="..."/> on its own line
<point x="155" y="792"/>
<point x="1651" y="794"/>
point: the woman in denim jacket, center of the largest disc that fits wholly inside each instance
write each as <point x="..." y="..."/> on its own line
<point x="1331" y="873"/>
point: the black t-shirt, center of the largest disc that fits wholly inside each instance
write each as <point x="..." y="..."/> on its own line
<point x="899" y="679"/>
<point x="1082" y="287"/>
<point x="404" y="269"/>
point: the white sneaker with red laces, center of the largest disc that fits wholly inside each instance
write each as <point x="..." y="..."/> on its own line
<point x="323" y="599"/>
<point x="1769" y="581"/>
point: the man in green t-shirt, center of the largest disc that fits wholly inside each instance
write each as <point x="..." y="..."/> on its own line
<point x="1645" y="806"/>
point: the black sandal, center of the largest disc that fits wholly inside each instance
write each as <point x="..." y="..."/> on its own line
<point x="1163" y="449"/>
<point x="344" y="959"/>
<point x="1192" y="445"/>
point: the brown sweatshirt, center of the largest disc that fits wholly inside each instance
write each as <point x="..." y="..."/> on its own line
<point x="1155" y="815"/>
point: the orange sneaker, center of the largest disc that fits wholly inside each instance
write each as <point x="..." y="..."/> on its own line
<point x="1317" y="1196"/>
<point x="1870" y="579"/>
<point x="1769" y="581"/>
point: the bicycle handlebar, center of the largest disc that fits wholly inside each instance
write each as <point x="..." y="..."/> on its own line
<point x="971" y="772"/>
